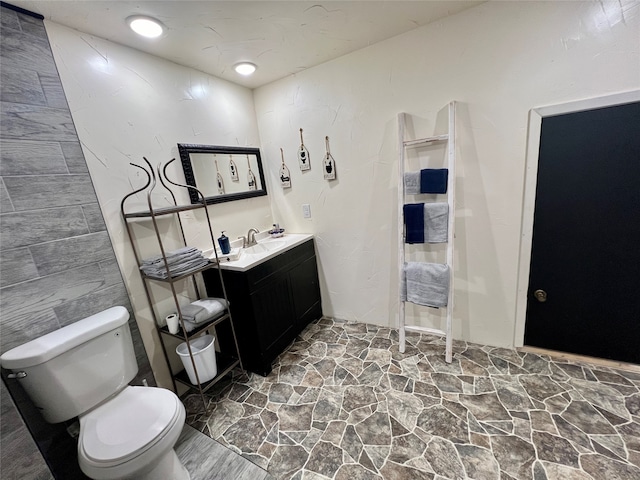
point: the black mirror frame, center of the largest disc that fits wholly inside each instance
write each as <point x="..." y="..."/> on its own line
<point x="186" y="148"/>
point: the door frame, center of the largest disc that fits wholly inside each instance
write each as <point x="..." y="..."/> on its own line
<point x="530" y="183"/>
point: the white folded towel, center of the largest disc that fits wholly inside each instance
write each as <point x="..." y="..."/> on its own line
<point x="203" y="310"/>
<point x="425" y="284"/>
<point x="436" y="222"/>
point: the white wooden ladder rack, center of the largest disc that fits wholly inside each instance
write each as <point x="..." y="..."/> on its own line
<point x="448" y="141"/>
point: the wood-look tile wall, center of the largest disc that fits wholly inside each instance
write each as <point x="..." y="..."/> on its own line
<point x="57" y="264"/>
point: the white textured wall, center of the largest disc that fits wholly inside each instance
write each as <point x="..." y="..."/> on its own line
<point x="498" y="60"/>
<point x="126" y="105"/>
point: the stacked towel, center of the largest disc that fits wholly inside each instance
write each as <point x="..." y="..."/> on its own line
<point x="412" y="183"/>
<point x="436" y="222"/>
<point x="425" y="284"/>
<point x="434" y="180"/>
<point x="181" y="261"/>
<point x="414" y="222"/>
<point x="426" y="222"/>
<point x="428" y="180"/>
<point x="202" y="311"/>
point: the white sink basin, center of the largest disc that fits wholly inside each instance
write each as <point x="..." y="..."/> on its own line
<point x="265" y="249"/>
<point x="265" y="246"/>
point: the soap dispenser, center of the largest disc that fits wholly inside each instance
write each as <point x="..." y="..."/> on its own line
<point x="223" y="241"/>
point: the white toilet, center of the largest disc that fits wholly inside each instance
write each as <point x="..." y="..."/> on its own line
<point x="83" y="370"/>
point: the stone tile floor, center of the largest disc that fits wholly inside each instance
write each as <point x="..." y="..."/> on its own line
<point x="343" y="403"/>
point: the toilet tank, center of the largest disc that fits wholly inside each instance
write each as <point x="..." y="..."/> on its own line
<point x="71" y="370"/>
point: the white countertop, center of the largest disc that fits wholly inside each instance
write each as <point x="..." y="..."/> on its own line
<point x="266" y="249"/>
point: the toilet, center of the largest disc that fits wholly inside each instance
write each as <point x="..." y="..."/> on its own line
<point x="83" y="370"/>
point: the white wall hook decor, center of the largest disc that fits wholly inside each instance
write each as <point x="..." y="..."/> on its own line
<point x="285" y="175"/>
<point x="303" y="155"/>
<point x="329" y="164"/>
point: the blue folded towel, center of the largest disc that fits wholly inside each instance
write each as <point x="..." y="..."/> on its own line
<point x="412" y="183"/>
<point x="425" y="284"/>
<point x="414" y="222"/>
<point x="434" y="180"/>
<point x="436" y="222"/>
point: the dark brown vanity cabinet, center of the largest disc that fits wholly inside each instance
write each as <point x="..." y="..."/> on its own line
<point x="271" y="303"/>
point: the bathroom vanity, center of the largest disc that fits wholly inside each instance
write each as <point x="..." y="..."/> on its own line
<point x="274" y="293"/>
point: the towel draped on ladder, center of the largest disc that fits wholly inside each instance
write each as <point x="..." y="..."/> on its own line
<point x="425" y="284"/>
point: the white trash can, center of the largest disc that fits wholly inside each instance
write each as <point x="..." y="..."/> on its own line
<point x="204" y="356"/>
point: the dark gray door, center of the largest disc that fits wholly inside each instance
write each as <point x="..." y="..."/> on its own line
<point x="584" y="285"/>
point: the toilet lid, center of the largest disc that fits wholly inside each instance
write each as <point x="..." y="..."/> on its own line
<point x="128" y="424"/>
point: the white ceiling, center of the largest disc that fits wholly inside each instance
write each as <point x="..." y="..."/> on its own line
<point x="281" y="37"/>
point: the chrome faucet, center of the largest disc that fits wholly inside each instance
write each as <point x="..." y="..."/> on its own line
<point x="251" y="237"/>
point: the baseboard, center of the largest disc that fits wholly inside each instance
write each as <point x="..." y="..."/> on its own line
<point x="573" y="357"/>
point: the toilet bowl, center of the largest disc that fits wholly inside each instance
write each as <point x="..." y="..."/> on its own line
<point x="132" y="436"/>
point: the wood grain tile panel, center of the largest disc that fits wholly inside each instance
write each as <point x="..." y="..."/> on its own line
<point x="46" y="191"/>
<point x="32" y="122"/>
<point x="72" y="252"/>
<point x="5" y="202"/>
<point x="32" y="26"/>
<point x="38" y="226"/>
<point x="93" y="302"/>
<point x="26" y="51"/>
<point x="206" y="459"/>
<point x="19" y="157"/>
<point x="19" y="302"/>
<point x="53" y="92"/>
<point x="16" y="265"/>
<point x="21" y="86"/>
<point x="9" y="19"/>
<point x="94" y="218"/>
<point x="20" y="457"/>
<point x="111" y="272"/>
<point x="74" y="157"/>
<point x="26" y="325"/>
<point x="144" y="368"/>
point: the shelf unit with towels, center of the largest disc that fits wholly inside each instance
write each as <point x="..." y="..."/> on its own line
<point x="447" y="141"/>
<point x="226" y="359"/>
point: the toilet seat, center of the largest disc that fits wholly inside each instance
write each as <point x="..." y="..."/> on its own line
<point x="129" y="431"/>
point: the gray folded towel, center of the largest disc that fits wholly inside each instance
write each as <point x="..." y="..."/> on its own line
<point x="175" y="270"/>
<point x="412" y="183"/>
<point x="190" y="312"/>
<point x="203" y="310"/>
<point x="189" y="326"/>
<point x="436" y="222"/>
<point x="171" y="255"/>
<point x="425" y="284"/>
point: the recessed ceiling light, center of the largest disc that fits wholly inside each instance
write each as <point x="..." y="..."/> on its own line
<point x="145" y="26"/>
<point x="245" y="68"/>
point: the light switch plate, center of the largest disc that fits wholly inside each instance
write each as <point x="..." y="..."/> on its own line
<point x="306" y="210"/>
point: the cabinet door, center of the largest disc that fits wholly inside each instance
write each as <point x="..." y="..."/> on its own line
<point x="273" y="311"/>
<point x="305" y="289"/>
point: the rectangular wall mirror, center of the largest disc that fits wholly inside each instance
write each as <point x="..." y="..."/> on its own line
<point x="221" y="173"/>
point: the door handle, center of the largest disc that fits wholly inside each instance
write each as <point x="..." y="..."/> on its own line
<point x="540" y="295"/>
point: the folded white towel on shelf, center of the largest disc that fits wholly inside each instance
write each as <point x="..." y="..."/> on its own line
<point x="203" y="310"/>
<point x="412" y="183"/>
<point x="436" y="222"/>
<point x="425" y="284"/>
